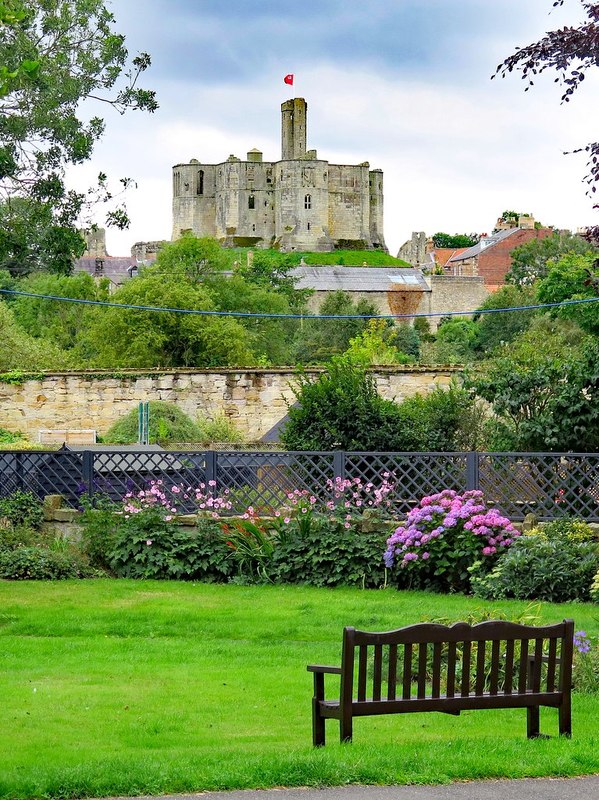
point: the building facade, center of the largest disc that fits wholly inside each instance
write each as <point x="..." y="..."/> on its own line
<point x="298" y="203"/>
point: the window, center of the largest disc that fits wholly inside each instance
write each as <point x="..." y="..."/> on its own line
<point x="308" y="201"/>
<point x="251" y="201"/>
<point x="253" y="228"/>
<point x="309" y="224"/>
<point x="200" y="188"/>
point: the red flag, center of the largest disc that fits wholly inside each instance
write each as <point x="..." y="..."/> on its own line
<point x="288" y="79"/>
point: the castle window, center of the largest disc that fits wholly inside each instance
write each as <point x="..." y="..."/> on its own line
<point x="254" y="228"/>
<point x="200" y="188"/>
<point x="251" y="201"/>
<point x="309" y="225"/>
<point x="308" y="201"/>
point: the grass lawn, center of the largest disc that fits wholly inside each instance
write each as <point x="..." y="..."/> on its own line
<point x="124" y="687"/>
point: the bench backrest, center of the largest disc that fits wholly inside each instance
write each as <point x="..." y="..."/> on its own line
<point x="429" y="660"/>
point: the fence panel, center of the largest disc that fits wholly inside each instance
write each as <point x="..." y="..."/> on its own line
<point x="547" y="484"/>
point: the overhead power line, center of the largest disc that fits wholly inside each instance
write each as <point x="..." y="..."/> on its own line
<point x="269" y="315"/>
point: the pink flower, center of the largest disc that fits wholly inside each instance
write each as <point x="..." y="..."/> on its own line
<point x="149" y="542"/>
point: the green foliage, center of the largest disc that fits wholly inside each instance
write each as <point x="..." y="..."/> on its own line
<point x="167" y="424"/>
<point x="594" y="592"/>
<point x="7" y="437"/>
<point x="377" y="345"/>
<point x="58" y="56"/>
<point x="533" y="260"/>
<point x="271" y="269"/>
<point x="32" y="240"/>
<point x="147" y="546"/>
<point x="19" y="349"/>
<point x="569" y="529"/>
<point x="445" y="240"/>
<point x="190" y="257"/>
<point x="573" y="277"/>
<point x="340" y="410"/>
<point x="22" y="508"/>
<point x="329" y="554"/>
<point x="455" y="341"/>
<point x="320" y="339"/>
<point x="118" y="337"/>
<point x="555" y="570"/>
<point x="498" y="329"/>
<point x="251" y="544"/>
<point x="543" y="393"/>
<point x="219" y="429"/>
<point x="58" y="323"/>
<point x="39" y="564"/>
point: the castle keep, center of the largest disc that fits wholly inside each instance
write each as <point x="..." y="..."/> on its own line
<point x="298" y="203"/>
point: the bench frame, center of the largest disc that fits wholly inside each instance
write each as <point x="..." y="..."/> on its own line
<point x="541" y="675"/>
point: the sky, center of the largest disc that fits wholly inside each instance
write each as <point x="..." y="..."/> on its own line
<point x="403" y="84"/>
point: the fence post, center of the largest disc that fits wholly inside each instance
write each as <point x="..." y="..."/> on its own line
<point x="472" y="471"/>
<point x="210" y="471"/>
<point x="339" y="472"/>
<point x="87" y="470"/>
<point x="19" y="471"/>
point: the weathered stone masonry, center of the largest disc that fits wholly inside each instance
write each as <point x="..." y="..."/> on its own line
<point x="254" y="400"/>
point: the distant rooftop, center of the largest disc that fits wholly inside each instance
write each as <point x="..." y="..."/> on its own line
<point x="359" y="279"/>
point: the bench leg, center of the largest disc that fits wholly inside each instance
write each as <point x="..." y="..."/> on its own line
<point x="345" y="728"/>
<point x="533" y="722"/>
<point x="317" y="724"/>
<point x="565" y="719"/>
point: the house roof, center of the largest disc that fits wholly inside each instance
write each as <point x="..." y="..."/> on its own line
<point x="359" y="279"/>
<point x="485" y="243"/>
<point x="442" y="255"/>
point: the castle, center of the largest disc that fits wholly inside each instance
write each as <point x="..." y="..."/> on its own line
<point x="298" y="203"/>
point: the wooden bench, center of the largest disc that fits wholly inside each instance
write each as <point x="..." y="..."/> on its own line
<point x="431" y="667"/>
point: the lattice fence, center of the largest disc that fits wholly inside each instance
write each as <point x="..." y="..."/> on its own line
<point x="548" y="484"/>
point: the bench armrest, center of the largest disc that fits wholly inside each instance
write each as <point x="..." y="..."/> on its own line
<point x="322" y="669"/>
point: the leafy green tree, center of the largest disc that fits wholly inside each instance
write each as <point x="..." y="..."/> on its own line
<point x="272" y="270"/>
<point x="57" y="322"/>
<point x="455" y="240"/>
<point x="573" y="277"/>
<point x="500" y="327"/>
<point x="533" y="260"/>
<point x="455" y="343"/>
<point x="31" y="240"/>
<point x="129" y="337"/>
<point x="340" y="410"/>
<point x="167" y="423"/>
<point x="375" y="345"/>
<point x="191" y="257"/>
<point x="19" y="351"/>
<point x="59" y="54"/>
<point x="318" y="340"/>
<point x="544" y="392"/>
<point x="269" y="338"/>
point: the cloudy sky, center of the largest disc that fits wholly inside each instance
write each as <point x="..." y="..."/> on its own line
<point x="403" y="84"/>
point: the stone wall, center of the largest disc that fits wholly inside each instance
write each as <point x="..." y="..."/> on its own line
<point x="254" y="400"/>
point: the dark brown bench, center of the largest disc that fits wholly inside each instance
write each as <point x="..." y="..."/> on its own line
<point x="431" y="667"/>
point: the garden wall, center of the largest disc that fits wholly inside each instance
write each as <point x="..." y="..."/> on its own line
<point x="254" y="400"/>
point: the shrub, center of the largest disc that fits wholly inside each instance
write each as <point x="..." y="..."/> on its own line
<point x="219" y="429"/>
<point x="13" y="536"/>
<point x="329" y="554"/>
<point x="443" y="536"/>
<point x="586" y="664"/>
<point x="167" y="423"/>
<point x="41" y="564"/>
<point x="556" y="570"/>
<point x="22" y="508"/>
<point x="594" y="592"/>
<point x="569" y="529"/>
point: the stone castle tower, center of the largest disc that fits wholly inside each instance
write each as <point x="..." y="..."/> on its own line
<point x="298" y="203"/>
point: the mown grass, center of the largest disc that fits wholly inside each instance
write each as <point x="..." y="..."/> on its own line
<point x="119" y="687"/>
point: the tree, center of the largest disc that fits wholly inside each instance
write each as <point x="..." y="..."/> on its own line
<point x="320" y="339"/>
<point x="455" y="341"/>
<point x="543" y="393"/>
<point x="501" y="327"/>
<point x="59" y="54"/>
<point x="20" y="351"/>
<point x="571" y="51"/>
<point x="127" y="337"/>
<point x="61" y="323"/>
<point x="457" y="240"/>
<point x="376" y="345"/>
<point x="272" y="270"/>
<point x="340" y="410"/>
<point x="573" y="277"/>
<point x="532" y="260"/>
<point x="190" y="257"/>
